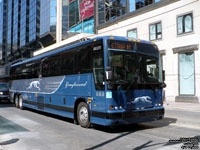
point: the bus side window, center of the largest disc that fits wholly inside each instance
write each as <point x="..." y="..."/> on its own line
<point x="67" y="63"/>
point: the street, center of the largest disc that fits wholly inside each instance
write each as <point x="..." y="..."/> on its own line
<point x="32" y="130"/>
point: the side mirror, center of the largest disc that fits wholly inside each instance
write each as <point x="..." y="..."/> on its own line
<point x="108" y="75"/>
<point x="163" y="85"/>
<point x="163" y="75"/>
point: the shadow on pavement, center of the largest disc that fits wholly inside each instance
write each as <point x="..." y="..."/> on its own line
<point x="129" y="129"/>
<point x="50" y="115"/>
<point x="7" y="126"/>
<point x="12" y="141"/>
<point x="186" y="142"/>
<point x="136" y="127"/>
<point x="6" y="104"/>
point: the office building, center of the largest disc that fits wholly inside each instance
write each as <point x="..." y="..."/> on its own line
<point x="3" y="29"/>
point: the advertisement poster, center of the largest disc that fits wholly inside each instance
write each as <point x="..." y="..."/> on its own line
<point x="86" y="9"/>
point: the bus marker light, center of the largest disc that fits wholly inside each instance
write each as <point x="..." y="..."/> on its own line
<point x="94" y="40"/>
<point x="111" y="107"/>
<point x="95" y="105"/>
<point x="134" y="40"/>
<point x="111" y="37"/>
<point x="89" y="99"/>
<point x="129" y="39"/>
<point x="138" y="40"/>
<point x="36" y="95"/>
<point x="116" y="107"/>
<point x="152" y="42"/>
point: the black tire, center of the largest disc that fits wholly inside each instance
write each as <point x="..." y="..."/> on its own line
<point x="16" y="101"/>
<point x="83" y="115"/>
<point x="20" y="102"/>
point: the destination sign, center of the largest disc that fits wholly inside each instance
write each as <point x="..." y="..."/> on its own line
<point x="120" y="45"/>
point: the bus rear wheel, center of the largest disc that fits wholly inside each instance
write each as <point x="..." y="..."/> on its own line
<point x="83" y="115"/>
<point x="21" y="102"/>
<point x="16" y="101"/>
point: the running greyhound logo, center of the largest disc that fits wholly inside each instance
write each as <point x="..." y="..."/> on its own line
<point x="34" y="84"/>
<point x="144" y="99"/>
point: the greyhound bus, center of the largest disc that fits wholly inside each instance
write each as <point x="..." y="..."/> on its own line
<point x="106" y="80"/>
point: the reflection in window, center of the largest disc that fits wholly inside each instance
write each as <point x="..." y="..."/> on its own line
<point x="142" y="3"/>
<point x="132" y="33"/>
<point x="73" y="13"/>
<point x="47" y="17"/>
<point x="155" y="31"/>
<point x="185" y="23"/>
<point x="131" y="5"/>
<point x="110" y="9"/>
<point x="114" y="8"/>
<point x="34" y="13"/>
<point x="65" y="10"/>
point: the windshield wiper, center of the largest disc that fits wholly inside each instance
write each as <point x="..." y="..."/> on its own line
<point x="119" y="81"/>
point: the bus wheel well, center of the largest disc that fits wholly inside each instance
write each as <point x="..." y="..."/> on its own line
<point x="16" y="94"/>
<point x="78" y="101"/>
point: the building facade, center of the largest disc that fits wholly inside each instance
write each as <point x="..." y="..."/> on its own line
<point x="174" y="26"/>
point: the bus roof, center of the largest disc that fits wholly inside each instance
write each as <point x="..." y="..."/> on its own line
<point x="79" y="44"/>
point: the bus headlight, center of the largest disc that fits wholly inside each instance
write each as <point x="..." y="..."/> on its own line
<point x="1" y="93"/>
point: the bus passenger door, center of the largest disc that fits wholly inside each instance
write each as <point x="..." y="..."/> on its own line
<point x="98" y="102"/>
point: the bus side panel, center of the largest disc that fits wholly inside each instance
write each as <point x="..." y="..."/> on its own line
<point x="77" y="85"/>
<point x="54" y="94"/>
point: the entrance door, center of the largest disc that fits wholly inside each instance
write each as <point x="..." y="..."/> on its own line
<point x="186" y="74"/>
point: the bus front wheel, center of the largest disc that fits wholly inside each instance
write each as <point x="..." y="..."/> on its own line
<point x="83" y="115"/>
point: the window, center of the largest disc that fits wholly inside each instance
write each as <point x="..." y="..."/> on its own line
<point x="132" y="33"/>
<point x="155" y="31"/>
<point x="142" y="3"/>
<point x="111" y="9"/>
<point x="185" y="23"/>
<point x="83" y="60"/>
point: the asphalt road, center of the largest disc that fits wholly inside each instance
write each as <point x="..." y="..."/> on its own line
<point x="33" y="130"/>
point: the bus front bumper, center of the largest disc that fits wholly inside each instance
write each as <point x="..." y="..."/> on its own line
<point x="131" y="117"/>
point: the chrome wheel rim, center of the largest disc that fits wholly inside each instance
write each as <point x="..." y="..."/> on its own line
<point x="16" y="101"/>
<point x="20" y="102"/>
<point x="83" y="114"/>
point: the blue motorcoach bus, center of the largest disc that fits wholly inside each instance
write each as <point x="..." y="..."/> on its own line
<point x="105" y="80"/>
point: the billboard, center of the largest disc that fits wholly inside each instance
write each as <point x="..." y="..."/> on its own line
<point x="86" y="9"/>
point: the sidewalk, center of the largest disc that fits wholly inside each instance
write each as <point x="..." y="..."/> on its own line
<point x="184" y="106"/>
<point x="186" y="114"/>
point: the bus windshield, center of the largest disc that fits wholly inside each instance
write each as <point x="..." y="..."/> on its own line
<point x="132" y="66"/>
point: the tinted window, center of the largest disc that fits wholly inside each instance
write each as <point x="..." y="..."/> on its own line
<point x="83" y="59"/>
<point x="25" y="71"/>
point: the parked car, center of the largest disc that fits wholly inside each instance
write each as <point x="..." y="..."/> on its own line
<point x="4" y="91"/>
